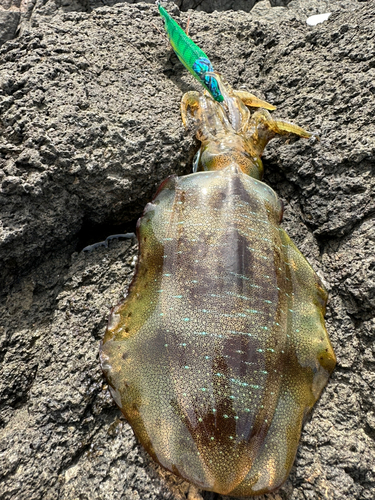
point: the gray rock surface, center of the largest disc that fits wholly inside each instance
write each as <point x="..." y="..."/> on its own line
<point x="9" y="22"/>
<point x="15" y="15"/>
<point x="12" y="14"/>
<point x="90" y="126"/>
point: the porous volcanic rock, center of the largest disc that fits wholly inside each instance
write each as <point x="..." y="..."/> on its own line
<point x="90" y="126"/>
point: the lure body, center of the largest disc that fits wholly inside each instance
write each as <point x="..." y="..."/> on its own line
<point x="220" y="348"/>
<point x="190" y="55"/>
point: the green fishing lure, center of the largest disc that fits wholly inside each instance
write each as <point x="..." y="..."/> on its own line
<point x="190" y="55"/>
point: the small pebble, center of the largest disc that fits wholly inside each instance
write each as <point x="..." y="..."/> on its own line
<point x="317" y="19"/>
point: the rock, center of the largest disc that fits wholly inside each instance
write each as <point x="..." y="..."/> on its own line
<point x="70" y="114"/>
<point x="9" y="21"/>
<point x="90" y="126"/>
<point x="12" y="14"/>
